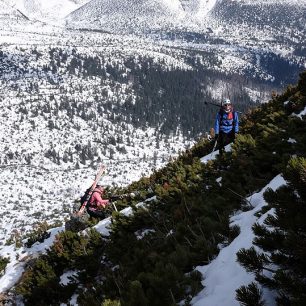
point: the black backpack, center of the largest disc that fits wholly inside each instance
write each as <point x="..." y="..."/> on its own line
<point x="86" y="197"/>
<point x="221" y="113"/>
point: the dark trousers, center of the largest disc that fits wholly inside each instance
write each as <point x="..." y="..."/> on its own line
<point x="96" y="213"/>
<point x="224" y="139"/>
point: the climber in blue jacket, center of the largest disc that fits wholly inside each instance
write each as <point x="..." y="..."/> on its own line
<point x="226" y="125"/>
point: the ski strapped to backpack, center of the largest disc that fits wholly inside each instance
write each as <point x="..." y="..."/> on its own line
<point x="85" y="199"/>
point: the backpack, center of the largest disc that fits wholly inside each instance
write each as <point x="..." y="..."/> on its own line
<point x="86" y="197"/>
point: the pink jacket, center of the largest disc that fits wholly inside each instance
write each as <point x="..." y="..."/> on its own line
<point x="96" y="200"/>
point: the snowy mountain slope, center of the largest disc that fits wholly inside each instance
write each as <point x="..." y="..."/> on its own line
<point x="204" y="7"/>
<point x="278" y="15"/>
<point x="11" y="16"/>
<point x="253" y="153"/>
<point x="215" y="274"/>
<point x="55" y="85"/>
<point x="48" y="11"/>
<point x="19" y="258"/>
<point x="51" y="94"/>
<point x="28" y="155"/>
<point x="140" y="16"/>
<point x="221" y="277"/>
<point x="54" y="11"/>
<point x="224" y="275"/>
<point x="8" y="11"/>
<point x="264" y="29"/>
<point x="124" y="15"/>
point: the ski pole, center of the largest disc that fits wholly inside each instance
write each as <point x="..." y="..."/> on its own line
<point x="114" y="206"/>
<point x="215" y="104"/>
<point x="215" y="145"/>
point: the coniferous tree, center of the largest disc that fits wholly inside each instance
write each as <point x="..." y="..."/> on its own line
<point x="249" y="295"/>
<point x="284" y="241"/>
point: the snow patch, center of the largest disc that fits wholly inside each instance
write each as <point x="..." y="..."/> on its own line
<point x="141" y="233"/>
<point x="291" y="140"/>
<point x="224" y="274"/>
<point x="65" y="279"/>
<point x="301" y="114"/>
<point x="213" y="155"/>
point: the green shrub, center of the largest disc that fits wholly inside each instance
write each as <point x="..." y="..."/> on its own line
<point x="3" y="263"/>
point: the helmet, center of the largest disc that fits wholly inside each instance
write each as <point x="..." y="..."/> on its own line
<point x="226" y="106"/>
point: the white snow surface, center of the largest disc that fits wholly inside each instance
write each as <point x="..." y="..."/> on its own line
<point x="214" y="154"/>
<point x="301" y="114"/>
<point x="65" y="278"/>
<point x="291" y="140"/>
<point x="126" y="14"/>
<point x="18" y="258"/>
<point x="269" y="2"/>
<point x="224" y="274"/>
<point x="46" y="10"/>
<point x="141" y="15"/>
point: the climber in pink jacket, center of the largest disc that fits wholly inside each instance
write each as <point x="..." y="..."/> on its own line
<point x="96" y="203"/>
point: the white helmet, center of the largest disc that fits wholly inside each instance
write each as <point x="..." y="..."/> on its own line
<point x="227" y="105"/>
<point x="226" y="101"/>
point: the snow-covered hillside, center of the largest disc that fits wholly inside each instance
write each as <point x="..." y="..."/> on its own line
<point x="71" y="99"/>
<point x="141" y="16"/>
<point x="105" y="12"/>
<point x="48" y="11"/>
<point x="127" y="14"/>
<point x="221" y="277"/>
<point x="50" y="117"/>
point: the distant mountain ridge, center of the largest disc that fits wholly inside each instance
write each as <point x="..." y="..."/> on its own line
<point x="48" y="11"/>
<point x="127" y="15"/>
<point x="140" y="15"/>
<point x="144" y="16"/>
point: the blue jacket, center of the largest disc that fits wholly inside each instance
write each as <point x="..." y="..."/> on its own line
<point x="226" y="122"/>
